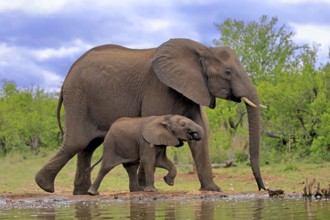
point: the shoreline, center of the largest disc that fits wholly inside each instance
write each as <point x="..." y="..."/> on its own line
<point x="42" y="200"/>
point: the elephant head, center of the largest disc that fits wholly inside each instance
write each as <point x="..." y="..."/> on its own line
<point x="171" y="130"/>
<point x="202" y="73"/>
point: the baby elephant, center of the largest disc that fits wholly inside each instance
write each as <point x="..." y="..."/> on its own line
<point x="134" y="141"/>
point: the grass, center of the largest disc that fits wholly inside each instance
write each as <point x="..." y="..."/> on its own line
<point x="17" y="176"/>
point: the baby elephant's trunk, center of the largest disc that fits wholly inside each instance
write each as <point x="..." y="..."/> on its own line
<point x="196" y="133"/>
<point x="195" y="136"/>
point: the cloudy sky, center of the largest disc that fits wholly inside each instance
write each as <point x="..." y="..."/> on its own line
<point x="39" y="40"/>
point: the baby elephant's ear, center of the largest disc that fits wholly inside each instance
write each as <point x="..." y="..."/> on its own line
<point x="156" y="132"/>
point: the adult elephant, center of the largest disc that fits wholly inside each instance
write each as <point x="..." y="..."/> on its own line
<point x="178" y="77"/>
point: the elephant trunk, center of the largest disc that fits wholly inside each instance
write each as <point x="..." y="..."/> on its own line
<point x="197" y="134"/>
<point x="254" y="136"/>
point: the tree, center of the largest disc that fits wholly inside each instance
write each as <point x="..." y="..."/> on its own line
<point x="266" y="50"/>
<point x="288" y="82"/>
<point x="321" y="110"/>
<point x="27" y="119"/>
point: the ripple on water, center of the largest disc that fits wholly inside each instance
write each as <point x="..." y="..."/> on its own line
<point x="248" y="207"/>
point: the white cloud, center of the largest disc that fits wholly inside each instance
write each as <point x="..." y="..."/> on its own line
<point x="152" y="25"/>
<point x="16" y="64"/>
<point x="297" y="2"/>
<point x="114" y="6"/>
<point x="5" y="53"/>
<point x="48" y="7"/>
<point x="33" y="6"/>
<point x="77" y="47"/>
<point x="9" y="55"/>
<point x="51" y="81"/>
<point x="307" y="33"/>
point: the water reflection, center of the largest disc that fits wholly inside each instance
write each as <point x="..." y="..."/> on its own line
<point x="204" y="210"/>
<point x="308" y="207"/>
<point x="84" y="211"/>
<point x="46" y="213"/>
<point x="142" y="210"/>
<point x="222" y="209"/>
<point x="261" y="208"/>
<point x="312" y="207"/>
<point x="258" y="208"/>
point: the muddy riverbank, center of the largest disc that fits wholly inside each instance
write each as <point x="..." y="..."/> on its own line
<point x="37" y="200"/>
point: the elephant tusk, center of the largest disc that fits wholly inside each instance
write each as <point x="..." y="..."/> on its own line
<point x="263" y="106"/>
<point x="247" y="101"/>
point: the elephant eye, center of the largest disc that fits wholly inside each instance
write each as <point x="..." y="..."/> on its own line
<point x="182" y="124"/>
<point x="227" y="72"/>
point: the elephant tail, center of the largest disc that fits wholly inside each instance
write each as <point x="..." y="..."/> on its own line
<point x="58" y="112"/>
<point x="92" y="167"/>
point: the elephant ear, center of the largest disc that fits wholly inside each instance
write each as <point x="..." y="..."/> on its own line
<point x="177" y="64"/>
<point x="157" y="132"/>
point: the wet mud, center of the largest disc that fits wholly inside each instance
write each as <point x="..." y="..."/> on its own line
<point x="42" y="200"/>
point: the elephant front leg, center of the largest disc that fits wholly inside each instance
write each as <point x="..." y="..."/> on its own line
<point x="150" y="187"/>
<point x="46" y="176"/>
<point x="169" y="178"/>
<point x="149" y="169"/>
<point x="200" y="154"/>
<point x="142" y="177"/>
<point x="163" y="162"/>
<point x="131" y="169"/>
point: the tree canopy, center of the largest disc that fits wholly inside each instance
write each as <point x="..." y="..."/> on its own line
<point x="27" y="119"/>
<point x="289" y="80"/>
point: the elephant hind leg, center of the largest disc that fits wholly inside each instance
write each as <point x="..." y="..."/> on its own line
<point x="46" y="176"/>
<point x="82" y="180"/>
<point x="104" y="170"/>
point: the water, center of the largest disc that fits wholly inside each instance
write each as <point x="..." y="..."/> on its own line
<point x="224" y="208"/>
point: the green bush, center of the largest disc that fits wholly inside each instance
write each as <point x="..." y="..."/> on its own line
<point x="27" y="120"/>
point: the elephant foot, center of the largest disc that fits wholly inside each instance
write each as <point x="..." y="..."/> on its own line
<point x="142" y="178"/>
<point x="82" y="188"/>
<point x="45" y="182"/>
<point x="140" y="189"/>
<point x="92" y="191"/>
<point x="80" y="191"/>
<point x="136" y="188"/>
<point x="150" y="189"/>
<point x="210" y="187"/>
<point x="169" y="181"/>
<point x="142" y="183"/>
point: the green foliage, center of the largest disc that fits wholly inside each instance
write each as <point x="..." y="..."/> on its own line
<point x="297" y="122"/>
<point x="265" y="49"/>
<point x="321" y="110"/>
<point x="27" y="120"/>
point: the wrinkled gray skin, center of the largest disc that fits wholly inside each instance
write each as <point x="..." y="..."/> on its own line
<point x="133" y="140"/>
<point x="178" y="77"/>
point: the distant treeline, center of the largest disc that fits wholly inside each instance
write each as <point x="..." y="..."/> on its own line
<point x="27" y="119"/>
<point x="289" y="78"/>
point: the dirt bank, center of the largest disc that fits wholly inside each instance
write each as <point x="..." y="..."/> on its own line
<point x="37" y="200"/>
